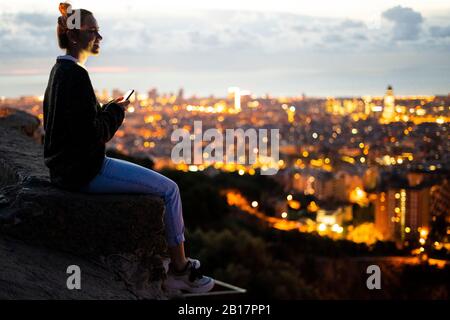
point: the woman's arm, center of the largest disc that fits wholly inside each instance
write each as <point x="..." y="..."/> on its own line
<point x="86" y="123"/>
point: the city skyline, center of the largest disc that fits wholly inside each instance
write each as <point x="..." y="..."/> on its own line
<point x="385" y="154"/>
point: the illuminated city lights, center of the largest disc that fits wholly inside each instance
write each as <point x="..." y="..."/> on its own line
<point x="328" y="147"/>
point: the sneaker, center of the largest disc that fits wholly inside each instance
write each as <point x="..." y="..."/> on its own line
<point x="190" y="280"/>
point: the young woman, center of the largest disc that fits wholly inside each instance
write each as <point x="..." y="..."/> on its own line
<point x="76" y="131"/>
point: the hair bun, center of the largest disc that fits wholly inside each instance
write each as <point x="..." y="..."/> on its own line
<point x="62" y="22"/>
<point x="63" y="8"/>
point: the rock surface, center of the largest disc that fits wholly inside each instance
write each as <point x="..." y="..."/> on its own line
<point x="30" y="272"/>
<point x="106" y="235"/>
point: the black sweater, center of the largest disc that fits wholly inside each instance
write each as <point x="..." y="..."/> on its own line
<point x="76" y="126"/>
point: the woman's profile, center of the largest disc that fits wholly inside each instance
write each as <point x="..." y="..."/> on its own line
<point x="77" y="128"/>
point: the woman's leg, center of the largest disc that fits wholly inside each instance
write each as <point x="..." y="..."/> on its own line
<point x="119" y="176"/>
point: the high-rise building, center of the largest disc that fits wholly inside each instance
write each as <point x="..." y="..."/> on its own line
<point x="418" y="209"/>
<point x="440" y="213"/>
<point x="367" y="104"/>
<point x="389" y="105"/>
<point x="153" y="93"/>
<point x="180" y="96"/>
<point x="384" y="217"/>
<point x="235" y="94"/>
<point x="402" y="212"/>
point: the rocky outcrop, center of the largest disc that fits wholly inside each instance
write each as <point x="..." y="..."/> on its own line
<point x="31" y="272"/>
<point x="121" y="235"/>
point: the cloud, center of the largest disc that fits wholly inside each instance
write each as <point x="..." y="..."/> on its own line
<point x="352" y="24"/>
<point x="360" y="37"/>
<point x="305" y="28"/>
<point x="202" y="39"/>
<point x="440" y="32"/>
<point x="407" y="23"/>
<point x="35" y="20"/>
<point x="26" y="33"/>
<point x="228" y="32"/>
<point x="276" y="51"/>
<point x="333" y="37"/>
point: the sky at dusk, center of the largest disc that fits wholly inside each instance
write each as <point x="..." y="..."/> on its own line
<point x="320" y="48"/>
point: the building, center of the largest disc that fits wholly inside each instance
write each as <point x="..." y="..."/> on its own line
<point x="152" y="93"/>
<point x="332" y="216"/>
<point x="440" y="213"/>
<point x="234" y="94"/>
<point x="403" y="212"/>
<point x="389" y="105"/>
<point x="418" y="209"/>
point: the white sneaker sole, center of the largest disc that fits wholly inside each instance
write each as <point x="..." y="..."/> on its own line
<point x="180" y="285"/>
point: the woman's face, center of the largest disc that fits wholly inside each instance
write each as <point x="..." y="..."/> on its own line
<point x="89" y="39"/>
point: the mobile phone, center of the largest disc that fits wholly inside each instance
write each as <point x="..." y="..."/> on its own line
<point x="128" y="94"/>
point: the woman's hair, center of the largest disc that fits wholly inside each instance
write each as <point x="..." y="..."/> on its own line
<point x="62" y="29"/>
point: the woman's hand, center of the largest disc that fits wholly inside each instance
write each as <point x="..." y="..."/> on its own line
<point x="122" y="103"/>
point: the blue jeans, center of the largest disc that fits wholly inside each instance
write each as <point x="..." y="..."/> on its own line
<point x="119" y="176"/>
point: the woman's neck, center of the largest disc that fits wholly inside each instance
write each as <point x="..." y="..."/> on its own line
<point x="80" y="56"/>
